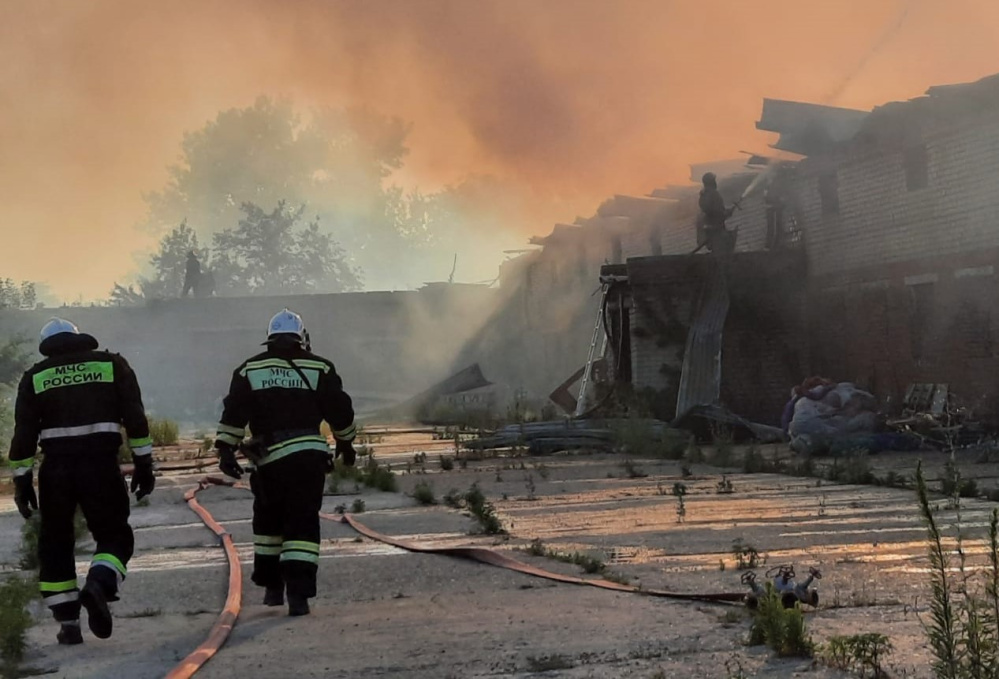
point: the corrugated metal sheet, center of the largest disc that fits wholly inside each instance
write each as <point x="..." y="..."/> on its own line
<point x="700" y="376"/>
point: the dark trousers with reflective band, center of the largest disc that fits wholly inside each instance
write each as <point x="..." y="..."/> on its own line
<point x="91" y="480"/>
<point x="287" y="497"/>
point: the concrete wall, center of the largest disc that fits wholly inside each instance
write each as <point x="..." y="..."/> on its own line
<point x="386" y="346"/>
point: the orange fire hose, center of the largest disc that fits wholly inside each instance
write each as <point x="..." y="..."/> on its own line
<point x="233" y="601"/>
<point x="501" y="560"/>
<point x="227" y="618"/>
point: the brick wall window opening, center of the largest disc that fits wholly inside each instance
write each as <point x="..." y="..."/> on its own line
<point x="829" y="193"/>
<point x="916" y="163"/>
<point x="919" y="318"/>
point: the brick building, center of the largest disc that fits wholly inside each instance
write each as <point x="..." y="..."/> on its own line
<point x="902" y="233"/>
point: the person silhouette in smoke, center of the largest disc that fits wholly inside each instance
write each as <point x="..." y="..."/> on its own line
<point x="714" y="213"/>
<point x="192" y="275"/>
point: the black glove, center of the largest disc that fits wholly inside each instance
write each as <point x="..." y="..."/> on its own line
<point x="143" y="480"/>
<point x="24" y="495"/>
<point x="227" y="462"/>
<point x="346" y="449"/>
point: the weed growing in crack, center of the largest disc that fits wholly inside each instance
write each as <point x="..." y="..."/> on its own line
<point x="529" y="485"/>
<point x="746" y="555"/>
<point x="483" y="511"/>
<point x="724" y="486"/>
<point x="632" y="470"/>
<point x="680" y="492"/>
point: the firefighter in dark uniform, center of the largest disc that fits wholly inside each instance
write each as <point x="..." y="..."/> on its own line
<point x="713" y="215"/>
<point x="74" y="405"/>
<point x="283" y="395"/>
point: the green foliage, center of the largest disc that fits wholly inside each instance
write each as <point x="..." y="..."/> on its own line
<point x="589" y="564"/>
<point x="423" y="493"/>
<point x="169" y="264"/>
<point x="163" y="432"/>
<point x="483" y="511"/>
<point x="374" y="475"/>
<point x="447" y="462"/>
<point x="14" y="295"/>
<point x="943" y="627"/>
<point x="781" y="629"/>
<point x="854" y="468"/>
<point x="858" y="653"/>
<point x="268" y="253"/>
<point x="357" y="507"/>
<point x="15" y="594"/>
<point x="453" y="499"/>
<point x="28" y="549"/>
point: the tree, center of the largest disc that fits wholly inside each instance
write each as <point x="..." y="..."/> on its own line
<point x="337" y="161"/>
<point x="269" y="253"/>
<point x="169" y="264"/>
<point x="15" y="295"/>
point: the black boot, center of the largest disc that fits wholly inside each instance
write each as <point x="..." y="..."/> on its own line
<point x="274" y="596"/>
<point x="94" y="599"/>
<point x="297" y="605"/>
<point x="69" y="633"/>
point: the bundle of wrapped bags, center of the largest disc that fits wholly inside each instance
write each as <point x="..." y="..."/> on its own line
<point x="825" y="416"/>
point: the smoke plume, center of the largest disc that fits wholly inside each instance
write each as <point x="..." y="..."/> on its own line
<point x="570" y="100"/>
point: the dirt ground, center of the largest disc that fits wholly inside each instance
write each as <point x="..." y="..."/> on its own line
<point x="383" y="612"/>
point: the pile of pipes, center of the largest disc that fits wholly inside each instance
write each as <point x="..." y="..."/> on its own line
<point x="557" y="435"/>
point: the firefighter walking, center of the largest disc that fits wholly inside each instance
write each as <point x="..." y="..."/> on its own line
<point x="283" y="394"/>
<point x="73" y="405"/>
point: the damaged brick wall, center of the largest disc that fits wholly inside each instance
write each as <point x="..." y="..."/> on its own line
<point x="935" y="323"/>
<point x="765" y="339"/>
<point x="765" y="349"/>
<point x="932" y="192"/>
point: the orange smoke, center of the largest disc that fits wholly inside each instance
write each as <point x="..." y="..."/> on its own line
<point x="571" y="99"/>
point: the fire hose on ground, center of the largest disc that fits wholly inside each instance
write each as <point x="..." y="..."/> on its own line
<point x="230" y="612"/>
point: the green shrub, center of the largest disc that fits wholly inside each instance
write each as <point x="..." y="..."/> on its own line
<point x="15" y="594"/>
<point x="781" y="629"/>
<point x="357" y="506"/>
<point x="858" y="653"/>
<point x="424" y="493"/>
<point x="483" y="511"/>
<point x="377" y="476"/>
<point x="453" y="499"/>
<point x="163" y="432"/>
<point x="447" y="463"/>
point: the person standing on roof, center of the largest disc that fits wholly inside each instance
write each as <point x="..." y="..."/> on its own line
<point x="74" y="404"/>
<point x="192" y="274"/>
<point x="283" y="395"/>
<point x="714" y="213"/>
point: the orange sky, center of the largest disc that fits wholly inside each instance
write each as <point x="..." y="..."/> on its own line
<point x="576" y="99"/>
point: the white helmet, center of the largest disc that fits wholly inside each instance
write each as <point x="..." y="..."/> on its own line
<point x="286" y="322"/>
<point x="57" y="326"/>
